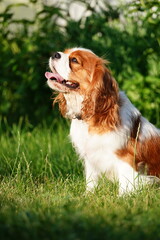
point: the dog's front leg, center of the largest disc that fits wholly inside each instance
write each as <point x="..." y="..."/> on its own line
<point x="91" y="176"/>
<point x="127" y="177"/>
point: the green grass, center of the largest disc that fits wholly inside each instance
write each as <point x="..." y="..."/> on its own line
<point x="42" y="193"/>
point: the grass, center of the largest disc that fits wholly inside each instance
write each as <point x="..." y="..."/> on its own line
<point x="42" y="193"/>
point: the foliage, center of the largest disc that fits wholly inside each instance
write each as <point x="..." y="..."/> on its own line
<point x="126" y="35"/>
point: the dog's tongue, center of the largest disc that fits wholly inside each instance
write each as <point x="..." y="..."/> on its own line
<point x="53" y="76"/>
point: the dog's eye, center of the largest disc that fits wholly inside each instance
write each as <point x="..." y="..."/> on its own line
<point x="74" y="60"/>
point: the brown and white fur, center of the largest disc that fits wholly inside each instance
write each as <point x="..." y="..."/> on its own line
<point x="107" y="131"/>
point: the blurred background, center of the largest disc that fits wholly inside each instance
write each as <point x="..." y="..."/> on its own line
<point x="127" y="33"/>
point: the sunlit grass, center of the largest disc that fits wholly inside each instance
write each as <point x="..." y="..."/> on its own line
<point x="42" y="193"/>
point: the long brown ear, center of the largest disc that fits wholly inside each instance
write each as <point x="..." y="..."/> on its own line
<point x="62" y="103"/>
<point x="100" y="106"/>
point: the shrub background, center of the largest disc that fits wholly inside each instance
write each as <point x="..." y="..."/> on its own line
<point x="127" y="35"/>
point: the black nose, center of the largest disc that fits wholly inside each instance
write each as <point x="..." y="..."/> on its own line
<point x="56" y="55"/>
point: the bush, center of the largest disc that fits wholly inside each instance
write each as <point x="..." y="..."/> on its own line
<point x="126" y="36"/>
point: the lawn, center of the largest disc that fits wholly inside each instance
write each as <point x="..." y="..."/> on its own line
<point x="42" y="192"/>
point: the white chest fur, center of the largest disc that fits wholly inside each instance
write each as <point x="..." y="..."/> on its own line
<point x="88" y="144"/>
<point x="74" y="104"/>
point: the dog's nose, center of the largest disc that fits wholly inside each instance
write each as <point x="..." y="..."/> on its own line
<point x="56" y="55"/>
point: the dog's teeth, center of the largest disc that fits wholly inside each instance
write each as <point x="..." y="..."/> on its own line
<point x="69" y="83"/>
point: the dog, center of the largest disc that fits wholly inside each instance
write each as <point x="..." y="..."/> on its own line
<point x="107" y="130"/>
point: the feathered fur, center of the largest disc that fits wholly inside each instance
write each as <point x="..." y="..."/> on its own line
<point x="107" y="131"/>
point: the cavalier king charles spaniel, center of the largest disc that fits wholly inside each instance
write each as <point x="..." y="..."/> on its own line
<point x="107" y="131"/>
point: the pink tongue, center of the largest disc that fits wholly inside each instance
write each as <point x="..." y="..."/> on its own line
<point x="50" y="75"/>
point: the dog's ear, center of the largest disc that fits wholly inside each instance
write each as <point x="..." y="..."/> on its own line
<point x="62" y="103"/>
<point x="101" y="103"/>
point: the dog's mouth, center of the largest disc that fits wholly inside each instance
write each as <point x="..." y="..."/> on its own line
<point x="55" y="77"/>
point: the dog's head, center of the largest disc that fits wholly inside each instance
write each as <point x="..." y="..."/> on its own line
<point x="86" y="88"/>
